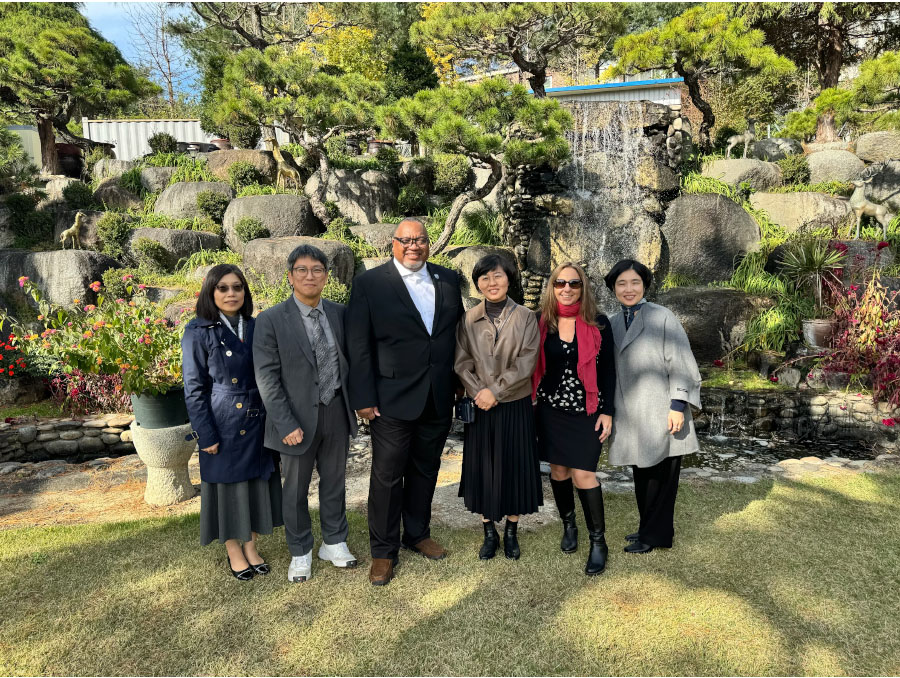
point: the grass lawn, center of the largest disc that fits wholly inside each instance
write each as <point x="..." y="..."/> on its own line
<point x="776" y="578"/>
<point x="44" y="408"/>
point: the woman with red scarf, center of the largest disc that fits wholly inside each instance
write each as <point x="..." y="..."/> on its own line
<point x="574" y="385"/>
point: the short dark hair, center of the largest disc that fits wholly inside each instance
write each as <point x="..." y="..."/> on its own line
<point x="628" y="265"/>
<point x="488" y="263"/>
<point x="310" y="251"/>
<point x="206" y="302"/>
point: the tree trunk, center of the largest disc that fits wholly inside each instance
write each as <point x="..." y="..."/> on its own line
<point x="825" y="128"/>
<point x="47" y="135"/>
<point x="498" y="173"/>
<point x="537" y="80"/>
<point x="830" y="53"/>
<point x="537" y="72"/>
<point x="317" y="199"/>
<point x="709" y="118"/>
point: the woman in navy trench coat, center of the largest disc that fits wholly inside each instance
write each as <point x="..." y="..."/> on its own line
<point x="240" y="490"/>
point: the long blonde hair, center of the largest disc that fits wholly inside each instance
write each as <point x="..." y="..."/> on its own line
<point x="588" y="311"/>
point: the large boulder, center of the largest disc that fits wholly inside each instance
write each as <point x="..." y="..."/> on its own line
<point x="796" y="210"/>
<point x="834" y="165"/>
<point x="364" y="197"/>
<point x="89" y="239"/>
<point x="219" y="162"/>
<point x="705" y="234"/>
<point x="115" y="197"/>
<point x="465" y="258"/>
<point x="283" y="214"/>
<point x="420" y="173"/>
<point x="63" y="275"/>
<point x="885" y="185"/>
<point x="878" y="146"/>
<point x="55" y="187"/>
<point x="6" y="233"/>
<point x="179" y="200"/>
<point x="759" y="174"/>
<point x="110" y="167"/>
<point x="156" y="178"/>
<point x="775" y="149"/>
<point x="379" y="236"/>
<point x="368" y="263"/>
<point x="177" y="243"/>
<point x="860" y="257"/>
<point x="714" y="318"/>
<point x="267" y="257"/>
<point x="814" y="147"/>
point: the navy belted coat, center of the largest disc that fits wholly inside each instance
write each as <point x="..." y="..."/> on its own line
<point x="223" y="402"/>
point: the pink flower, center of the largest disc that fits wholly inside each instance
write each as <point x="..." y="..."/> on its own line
<point x="773" y="379"/>
<point x="89" y="308"/>
<point x="120" y="301"/>
<point x="888" y="422"/>
<point x="843" y="407"/>
<point x="853" y="288"/>
<point x="127" y="277"/>
<point x="68" y="324"/>
<point x="718" y="363"/>
<point x="882" y="245"/>
<point x="22" y="280"/>
<point x="142" y="287"/>
<point x="95" y="286"/>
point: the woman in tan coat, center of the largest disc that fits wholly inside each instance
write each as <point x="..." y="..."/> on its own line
<point x="496" y="353"/>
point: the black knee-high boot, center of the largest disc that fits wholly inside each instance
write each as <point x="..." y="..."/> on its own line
<point x="564" y="496"/>
<point x="592" y="503"/>
<point x="511" y="540"/>
<point x="491" y="541"/>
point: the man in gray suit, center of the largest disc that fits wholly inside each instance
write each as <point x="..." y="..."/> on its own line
<point x="299" y="355"/>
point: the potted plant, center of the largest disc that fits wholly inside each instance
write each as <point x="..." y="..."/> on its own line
<point x="813" y="265"/>
<point x="130" y="338"/>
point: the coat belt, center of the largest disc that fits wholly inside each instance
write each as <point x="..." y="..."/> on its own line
<point x="228" y="389"/>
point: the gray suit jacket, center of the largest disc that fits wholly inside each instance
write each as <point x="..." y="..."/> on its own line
<point x="654" y="365"/>
<point x="286" y="374"/>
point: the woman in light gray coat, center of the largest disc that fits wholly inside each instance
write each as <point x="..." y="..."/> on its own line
<point x="656" y="379"/>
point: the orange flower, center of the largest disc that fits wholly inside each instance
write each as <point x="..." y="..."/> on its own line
<point x="95" y="286"/>
<point x="88" y="334"/>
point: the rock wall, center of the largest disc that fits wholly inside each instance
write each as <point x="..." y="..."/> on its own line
<point x="66" y="439"/>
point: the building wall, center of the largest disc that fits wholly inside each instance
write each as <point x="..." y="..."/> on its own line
<point x="130" y="136"/>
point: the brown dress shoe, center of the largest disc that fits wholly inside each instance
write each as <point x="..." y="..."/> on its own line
<point x="430" y="549"/>
<point x="382" y="571"/>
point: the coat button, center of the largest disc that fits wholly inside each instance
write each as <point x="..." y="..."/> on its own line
<point x="239" y="405"/>
<point x="228" y="353"/>
<point x="234" y="380"/>
<point x="243" y="432"/>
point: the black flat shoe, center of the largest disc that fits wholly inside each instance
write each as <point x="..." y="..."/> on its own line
<point x="511" y="541"/>
<point x="634" y="536"/>
<point x="638" y="547"/>
<point x="491" y="542"/>
<point x="262" y="568"/>
<point x="242" y="575"/>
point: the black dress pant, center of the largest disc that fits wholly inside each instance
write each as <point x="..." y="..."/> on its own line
<point x="655" y="488"/>
<point x="406" y="458"/>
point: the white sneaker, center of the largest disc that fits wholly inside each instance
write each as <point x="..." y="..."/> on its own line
<point x="338" y="554"/>
<point x="300" y="568"/>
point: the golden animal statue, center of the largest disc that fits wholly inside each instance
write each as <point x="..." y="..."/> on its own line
<point x="73" y="233"/>
<point x="285" y="171"/>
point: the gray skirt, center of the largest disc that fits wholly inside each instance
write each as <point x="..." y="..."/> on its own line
<point x="234" y="510"/>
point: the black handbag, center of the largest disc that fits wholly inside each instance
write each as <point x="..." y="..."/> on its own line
<point x="465" y="410"/>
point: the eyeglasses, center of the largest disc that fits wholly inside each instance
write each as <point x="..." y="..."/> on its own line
<point x="301" y="271"/>
<point x="237" y="287"/>
<point x="574" y="284"/>
<point x="421" y="241"/>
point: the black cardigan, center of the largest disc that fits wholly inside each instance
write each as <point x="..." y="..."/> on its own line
<point x="606" y="368"/>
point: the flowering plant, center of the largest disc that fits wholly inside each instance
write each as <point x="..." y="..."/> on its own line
<point x="113" y="337"/>
<point x="867" y="338"/>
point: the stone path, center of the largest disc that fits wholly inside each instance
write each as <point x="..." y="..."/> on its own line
<point x="55" y="492"/>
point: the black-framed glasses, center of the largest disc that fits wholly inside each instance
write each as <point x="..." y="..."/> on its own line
<point x="421" y="241"/>
<point x="317" y="271"/>
<point x="237" y="287"/>
<point x="559" y="284"/>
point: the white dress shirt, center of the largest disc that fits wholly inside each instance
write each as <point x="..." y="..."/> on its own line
<point x="421" y="289"/>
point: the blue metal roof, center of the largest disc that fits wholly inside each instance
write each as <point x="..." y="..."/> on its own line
<point x="612" y="85"/>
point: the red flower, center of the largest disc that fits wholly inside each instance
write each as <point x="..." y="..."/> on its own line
<point x="718" y="363"/>
<point x="887" y="422"/>
<point x="882" y="245"/>
<point x="773" y="379"/>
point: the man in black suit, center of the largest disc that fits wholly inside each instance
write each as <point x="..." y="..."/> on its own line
<point x="401" y="340"/>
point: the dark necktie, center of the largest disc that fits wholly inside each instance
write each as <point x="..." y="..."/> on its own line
<point x="327" y="376"/>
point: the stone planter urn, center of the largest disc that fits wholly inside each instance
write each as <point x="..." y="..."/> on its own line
<point x="166" y="453"/>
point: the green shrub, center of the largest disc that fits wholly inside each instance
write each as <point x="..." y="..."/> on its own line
<point x="336" y="291"/>
<point x="388" y="159"/>
<point x="800" y="125"/>
<point x="258" y="189"/>
<point x="116" y="288"/>
<point x="78" y="196"/>
<point x="794" y="169"/>
<point x="95" y="155"/>
<point x="299" y="155"/>
<point x="150" y="255"/>
<point x="191" y="169"/>
<point x="242" y="174"/>
<point x="35" y="228"/>
<point x="244" y="136"/>
<point x="451" y="173"/>
<point x="250" y="228"/>
<point x="412" y="200"/>
<point x="339" y="229"/>
<point x="113" y="229"/>
<point x="20" y="205"/>
<point x="336" y="147"/>
<point x="213" y="204"/>
<point x="209" y="257"/>
<point x="161" y="142"/>
<point x="477" y="228"/>
<point x="165" y="159"/>
<point x="131" y="181"/>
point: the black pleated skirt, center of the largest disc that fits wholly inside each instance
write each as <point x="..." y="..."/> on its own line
<point x="501" y="474"/>
<point x="568" y="438"/>
<point x="234" y="510"/>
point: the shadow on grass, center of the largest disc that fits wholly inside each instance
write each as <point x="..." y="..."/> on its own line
<point x="784" y="578"/>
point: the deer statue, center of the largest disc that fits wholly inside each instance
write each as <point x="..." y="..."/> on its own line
<point x="73" y="233"/>
<point x="864" y="207"/>
<point x="746" y="138"/>
<point x="285" y="171"/>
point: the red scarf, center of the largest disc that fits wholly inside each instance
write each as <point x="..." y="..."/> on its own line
<point x="588" y="338"/>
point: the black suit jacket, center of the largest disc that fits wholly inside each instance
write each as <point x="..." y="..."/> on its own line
<point x="393" y="360"/>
